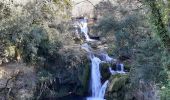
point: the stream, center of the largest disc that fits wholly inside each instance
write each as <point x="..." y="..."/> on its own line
<point x="97" y="88"/>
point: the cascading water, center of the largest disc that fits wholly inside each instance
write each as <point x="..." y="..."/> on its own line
<point x="95" y="77"/>
<point x="98" y="90"/>
<point x="106" y="57"/>
<point x="103" y="88"/>
<point x="84" y="29"/>
<point x="121" y="71"/>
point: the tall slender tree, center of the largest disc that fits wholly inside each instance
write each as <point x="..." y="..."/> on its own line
<point x="157" y="22"/>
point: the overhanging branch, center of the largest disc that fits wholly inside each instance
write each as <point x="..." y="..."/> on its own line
<point x="87" y="1"/>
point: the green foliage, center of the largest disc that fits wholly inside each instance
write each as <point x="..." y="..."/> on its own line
<point x="147" y="62"/>
<point x="123" y="30"/>
<point x="149" y="59"/>
<point x="107" y="24"/>
<point x="158" y="21"/>
<point x="29" y="32"/>
<point x="36" y="44"/>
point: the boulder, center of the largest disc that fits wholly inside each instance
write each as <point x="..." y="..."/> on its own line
<point x="117" y="82"/>
<point x="117" y="89"/>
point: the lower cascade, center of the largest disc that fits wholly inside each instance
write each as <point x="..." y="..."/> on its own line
<point x="98" y="90"/>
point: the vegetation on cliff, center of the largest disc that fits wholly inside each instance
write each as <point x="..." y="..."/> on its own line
<point x="39" y="34"/>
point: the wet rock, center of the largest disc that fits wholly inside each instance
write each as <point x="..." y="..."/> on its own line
<point x="117" y="82"/>
<point x="95" y="44"/>
<point x="117" y="88"/>
<point x="104" y="69"/>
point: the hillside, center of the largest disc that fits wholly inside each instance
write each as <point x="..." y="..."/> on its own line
<point x="84" y="50"/>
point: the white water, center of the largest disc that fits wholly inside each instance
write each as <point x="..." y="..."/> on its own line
<point x="95" y="77"/>
<point x="86" y="47"/>
<point x="112" y="71"/>
<point x="103" y="89"/>
<point x="106" y="57"/>
<point x="84" y="29"/>
<point x="97" y="89"/>
<point x="117" y="71"/>
<point x="121" y="69"/>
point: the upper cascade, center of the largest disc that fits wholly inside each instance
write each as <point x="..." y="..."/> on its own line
<point x="82" y="23"/>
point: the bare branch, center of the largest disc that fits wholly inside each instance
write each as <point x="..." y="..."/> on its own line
<point x="87" y="1"/>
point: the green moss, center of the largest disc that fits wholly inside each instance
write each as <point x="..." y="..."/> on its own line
<point x="117" y="82"/>
<point x="104" y="70"/>
<point x="86" y="77"/>
<point x="87" y="73"/>
<point x="127" y="65"/>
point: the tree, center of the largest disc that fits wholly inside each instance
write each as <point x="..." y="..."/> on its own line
<point x="157" y="22"/>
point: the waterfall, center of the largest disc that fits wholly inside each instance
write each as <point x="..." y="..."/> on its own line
<point x="98" y="90"/>
<point x="121" y="71"/>
<point x="95" y="77"/>
<point x="106" y="57"/>
<point x="84" y="29"/>
<point x="112" y="71"/>
<point x="103" y="88"/>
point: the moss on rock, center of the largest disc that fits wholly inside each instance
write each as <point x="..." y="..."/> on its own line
<point x="117" y="82"/>
<point x="104" y="71"/>
<point x="117" y="87"/>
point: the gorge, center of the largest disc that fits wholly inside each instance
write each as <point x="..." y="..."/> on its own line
<point x="84" y="50"/>
<point x="97" y="88"/>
